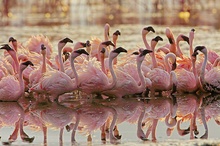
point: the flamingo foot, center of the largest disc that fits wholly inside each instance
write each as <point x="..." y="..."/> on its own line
<point x="68" y="128"/>
<point x="205" y="136"/>
<point x="7" y="142"/>
<point x="28" y="139"/>
<point x="118" y="136"/>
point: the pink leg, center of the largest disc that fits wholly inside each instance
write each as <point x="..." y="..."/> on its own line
<point x="14" y="134"/>
<point x="155" y="121"/>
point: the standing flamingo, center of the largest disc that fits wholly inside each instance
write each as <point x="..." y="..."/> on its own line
<point x="55" y="83"/>
<point x="96" y="77"/>
<point x="160" y="78"/>
<point x="12" y="89"/>
<point x="126" y="85"/>
<point x="210" y="81"/>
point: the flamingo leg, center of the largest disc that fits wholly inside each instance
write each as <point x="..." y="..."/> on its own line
<point x="75" y="128"/>
<point x="154" y="125"/>
<point x="14" y="134"/>
<point x="61" y="135"/>
<point x="204" y="136"/>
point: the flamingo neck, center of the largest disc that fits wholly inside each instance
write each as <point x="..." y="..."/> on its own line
<point x="202" y="74"/>
<point x="178" y="51"/>
<point x="145" y="41"/>
<point x="44" y="64"/>
<point x="195" y="73"/>
<point x="173" y="79"/>
<point x="60" y="59"/>
<point x="16" y="63"/>
<point x="141" y="76"/>
<point x="74" y="71"/>
<point x="21" y="83"/>
<point x="113" y="83"/>
<point x="102" y="61"/>
<point x="167" y="65"/>
<point x="153" y="56"/>
<point x="115" y="42"/>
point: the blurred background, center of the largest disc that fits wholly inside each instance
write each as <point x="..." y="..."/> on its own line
<point x="98" y="12"/>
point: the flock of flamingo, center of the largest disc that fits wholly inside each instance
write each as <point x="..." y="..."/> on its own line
<point x="99" y="68"/>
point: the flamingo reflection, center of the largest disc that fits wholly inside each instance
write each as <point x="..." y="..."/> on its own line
<point x="91" y="116"/>
<point x="15" y="117"/>
<point x="187" y="110"/>
<point x="157" y="109"/>
<point x="210" y="108"/>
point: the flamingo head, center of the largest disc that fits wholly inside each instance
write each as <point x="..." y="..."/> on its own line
<point x="185" y="38"/>
<point x="157" y="39"/>
<point x="81" y="51"/>
<point x="11" y="39"/>
<point x="199" y="48"/>
<point x="25" y="64"/>
<point x="63" y="42"/>
<point x="148" y="29"/>
<point x="107" y="43"/>
<point x="144" y="52"/>
<point x="6" y="47"/>
<point x="117" y="33"/>
<point x="119" y="50"/>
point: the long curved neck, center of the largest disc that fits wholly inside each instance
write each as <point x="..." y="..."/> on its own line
<point x="167" y="65"/>
<point x="202" y="74"/>
<point x="113" y="83"/>
<point x="145" y="41"/>
<point x="141" y="76"/>
<point x="178" y="51"/>
<point x="195" y="72"/>
<point x="16" y="63"/>
<point x="102" y="61"/>
<point x="21" y="82"/>
<point x="44" y="64"/>
<point x="153" y="57"/>
<point x="60" y="59"/>
<point x="115" y="42"/>
<point x="74" y="70"/>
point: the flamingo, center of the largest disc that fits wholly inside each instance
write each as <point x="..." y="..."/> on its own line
<point x="126" y="85"/>
<point x="34" y="43"/>
<point x="61" y="44"/>
<point x="145" y="31"/>
<point x="37" y="74"/>
<point x="11" y="88"/>
<point x="160" y="78"/>
<point x="13" y="55"/>
<point x="55" y="83"/>
<point x="96" y="77"/>
<point x="114" y="40"/>
<point x="210" y="81"/>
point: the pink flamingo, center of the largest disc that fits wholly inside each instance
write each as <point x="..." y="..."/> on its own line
<point x="55" y="83"/>
<point x="14" y="117"/>
<point x="126" y="85"/>
<point x="34" y="43"/>
<point x="37" y="74"/>
<point x="210" y="81"/>
<point x="184" y="76"/>
<point x="96" y="77"/>
<point x="145" y="31"/>
<point x="160" y="78"/>
<point x="11" y="88"/>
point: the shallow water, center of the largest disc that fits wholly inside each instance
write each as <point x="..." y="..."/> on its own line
<point x="130" y="38"/>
